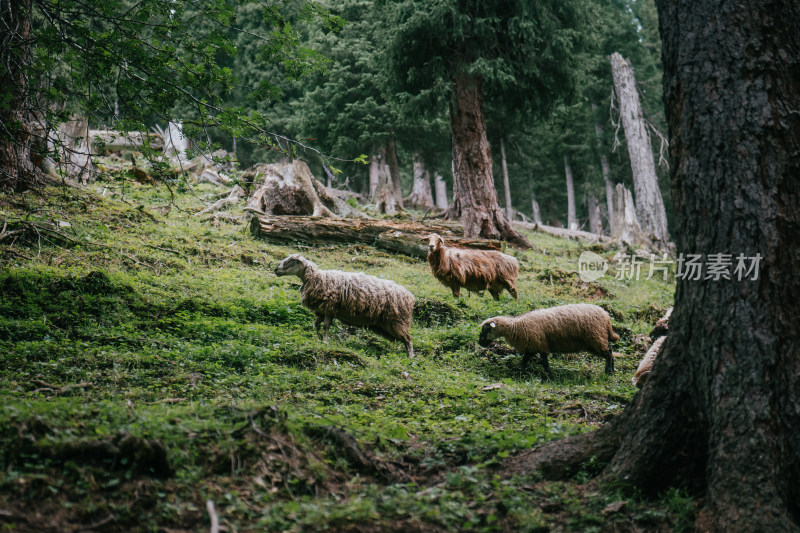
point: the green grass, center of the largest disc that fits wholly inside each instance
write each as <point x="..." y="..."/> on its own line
<point x="152" y="362"/>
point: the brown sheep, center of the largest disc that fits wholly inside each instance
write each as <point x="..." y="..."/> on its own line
<point x="475" y="270"/>
<point x="562" y="329"/>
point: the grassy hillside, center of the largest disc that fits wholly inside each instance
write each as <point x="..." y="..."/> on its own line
<point x="152" y="362"/>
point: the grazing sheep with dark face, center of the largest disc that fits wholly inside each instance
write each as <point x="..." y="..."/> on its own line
<point x="356" y="299"/>
<point x="475" y="270"/>
<point x="563" y="329"/>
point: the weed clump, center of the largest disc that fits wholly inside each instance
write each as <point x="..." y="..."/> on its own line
<point x="429" y="313"/>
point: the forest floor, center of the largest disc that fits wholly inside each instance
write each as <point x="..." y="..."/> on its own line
<point x="152" y="362"/>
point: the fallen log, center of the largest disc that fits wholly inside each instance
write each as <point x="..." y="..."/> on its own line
<point x="408" y="238"/>
<point x="563" y="232"/>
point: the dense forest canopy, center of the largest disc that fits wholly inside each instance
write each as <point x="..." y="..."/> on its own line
<point x="297" y="79"/>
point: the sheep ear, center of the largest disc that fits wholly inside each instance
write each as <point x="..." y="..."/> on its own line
<point x="492" y="325"/>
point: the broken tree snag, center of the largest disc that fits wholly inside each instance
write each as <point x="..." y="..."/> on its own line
<point x="291" y="189"/>
<point x="626" y="225"/>
<point x="649" y="204"/>
<point x="408" y="238"/>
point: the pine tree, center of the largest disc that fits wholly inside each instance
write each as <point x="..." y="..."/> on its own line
<point x="464" y="54"/>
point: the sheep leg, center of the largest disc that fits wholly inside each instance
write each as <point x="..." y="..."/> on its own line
<point x="609" y="357"/>
<point x="546" y="365"/>
<point x="325" y="327"/>
<point x="495" y="293"/>
<point x="317" y="323"/>
<point x="456" y="291"/>
<point x="512" y="290"/>
<point x="409" y="348"/>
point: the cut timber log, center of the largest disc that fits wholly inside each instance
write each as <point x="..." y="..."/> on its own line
<point x="408" y="238"/>
<point x="577" y="235"/>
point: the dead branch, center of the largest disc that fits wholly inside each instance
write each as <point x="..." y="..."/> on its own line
<point x="234" y="196"/>
<point x="45" y="387"/>
<point x="212" y="515"/>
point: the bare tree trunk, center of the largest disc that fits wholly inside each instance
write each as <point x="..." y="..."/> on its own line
<point x="17" y="170"/>
<point x="474" y="196"/>
<point x="649" y="204"/>
<point x="441" y="191"/>
<point x="626" y="225"/>
<point x="536" y="213"/>
<point x="595" y="219"/>
<point x="376" y="167"/>
<point x="394" y="171"/>
<point x="421" y="195"/>
<point x="720" y="412"/>
<point x="606" y="169"/>
<point x="381" y="189"/>
<point x="572" y="220"/>
<point x="506" y="187"/>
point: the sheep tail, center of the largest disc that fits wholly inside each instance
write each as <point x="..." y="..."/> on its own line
<point x="612" y="336"/>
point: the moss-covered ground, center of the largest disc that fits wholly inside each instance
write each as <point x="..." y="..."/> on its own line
<point x="152" y="362"/>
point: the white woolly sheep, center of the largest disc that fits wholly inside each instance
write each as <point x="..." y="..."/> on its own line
<point x="357" y="299"/>
<point x="562" y="329"/>
<point x="659" y="335"/>
<point x="646" y="364"/>
<point x="475" y="270"/>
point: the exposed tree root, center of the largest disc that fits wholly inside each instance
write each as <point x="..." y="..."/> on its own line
<point x="561" y="459"/>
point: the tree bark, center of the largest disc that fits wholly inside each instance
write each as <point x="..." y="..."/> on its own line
<point x="721" y="410"/>
<point x="506" y="187"/>
<point x="606" y="169"/>
<point x="17" y="170"/>
<point x="421" y="194"/>
<point x="649" y="204"/>
<point x="572" y="220"/>
<point x="474" y="195"/>
<point x="440" y="188"/>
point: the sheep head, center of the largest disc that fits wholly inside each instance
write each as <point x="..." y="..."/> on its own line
<point x="488" y="332"/>
<point x="435" y="242"/>
<point x="294" y="265"/>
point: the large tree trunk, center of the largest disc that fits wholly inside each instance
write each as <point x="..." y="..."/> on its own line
<point x="17" y="170"/>
<point x="421" y="194"/>
<point x="506" y="186"/>
<point x="572" y="219"/>
<point x="721" y="410"/>
<point x="606" y="169"/>
<point x="474" y="195"/>
<point x="649" y="204"/>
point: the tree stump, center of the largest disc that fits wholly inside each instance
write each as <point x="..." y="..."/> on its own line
<point x="291" y="189"/>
